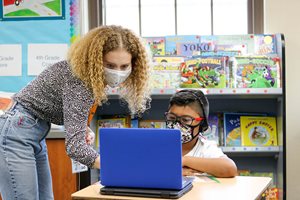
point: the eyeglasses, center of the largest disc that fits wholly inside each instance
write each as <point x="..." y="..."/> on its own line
<point x="184" y="119"/>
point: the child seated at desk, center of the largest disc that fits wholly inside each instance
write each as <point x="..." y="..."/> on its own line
<point x="188" y="111"/>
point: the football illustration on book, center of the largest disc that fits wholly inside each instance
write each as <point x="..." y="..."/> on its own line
<point x="256" y="72"/>
<point x="258" y="131"/>
<point x="204" y="72"/>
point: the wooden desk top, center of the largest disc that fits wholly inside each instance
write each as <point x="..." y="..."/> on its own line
<point x="240" y="187"/>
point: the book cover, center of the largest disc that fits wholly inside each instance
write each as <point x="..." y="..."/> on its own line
<point x="204" y="72"/>
<point x="173" y="40"/>
<point x="256" y="72"/>
<point x="212" y="133"/>
<point x="152" y="124"/>
<point x="265" y="44"/>
<point x="165" y="76"/>
<point x="258" y="131"/>
<point x="156" y="45"/>
<point x="234" y="40"/>
<point x="112" y="122"/>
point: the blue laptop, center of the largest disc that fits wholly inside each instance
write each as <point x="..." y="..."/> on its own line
<point x="142" y="162"/>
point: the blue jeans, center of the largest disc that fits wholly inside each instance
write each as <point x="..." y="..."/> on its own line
<point x="24" y="165"/>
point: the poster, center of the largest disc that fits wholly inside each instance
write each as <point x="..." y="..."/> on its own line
<point x="32" y="9"/>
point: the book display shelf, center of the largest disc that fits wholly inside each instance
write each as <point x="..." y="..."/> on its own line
<point x="252" y="160"/>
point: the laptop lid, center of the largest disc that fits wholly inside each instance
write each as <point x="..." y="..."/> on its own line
<point x="141" y="158"/>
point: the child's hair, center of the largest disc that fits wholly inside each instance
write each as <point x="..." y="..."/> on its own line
<point x="86" y="59"/>
<point x="195" y="99"/>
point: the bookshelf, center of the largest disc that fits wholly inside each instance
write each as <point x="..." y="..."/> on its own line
<point x="260" y="100"/>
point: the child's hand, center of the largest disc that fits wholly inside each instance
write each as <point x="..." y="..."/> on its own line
<point x="89" y="136"/>
<point x="186" y="171"/>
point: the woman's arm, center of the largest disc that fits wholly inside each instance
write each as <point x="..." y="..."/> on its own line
<point x="219" y="167"/>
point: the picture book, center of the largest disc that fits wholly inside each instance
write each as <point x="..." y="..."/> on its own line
<point x="212" y="133"/>
<point x="256" y="72"/>
<point x="156" y="45"/>
<point x="240" y="49"/>
<point x="232" y="127"/>
<point x="168" y="59"/>
<point x="204" y="72"/>
<point x="265" y="44"/>
<point x="152" y="124"/>
<point x="165" y="76"/>
<point x="110" y="122"/>
<point x="246" y="41"/>
<point x="258" y="131"/>
<point x="173" y="40"/>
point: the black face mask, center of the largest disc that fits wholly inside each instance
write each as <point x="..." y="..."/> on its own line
<point x="185" y="130"/>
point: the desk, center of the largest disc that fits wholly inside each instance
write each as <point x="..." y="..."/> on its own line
<point x="240" y="187"/>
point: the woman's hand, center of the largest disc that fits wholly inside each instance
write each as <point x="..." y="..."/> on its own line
<point x="89" y="136"/>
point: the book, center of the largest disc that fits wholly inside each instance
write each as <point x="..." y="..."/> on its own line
<point x="156" y="45"/>
<point x="110" y="122"/>
<point x="173" y="40"/>
<point x="232" y="127"/>
<point x="204" y="72"/>
<point x="258" y="131"/>
<point x="256" y="72"/>
<point x="247" y="41"/>
<point x="165" y="76"/>
<point x="264" y="44"/>
<point x="152" y="124"/>
<point x="212" y="133"/>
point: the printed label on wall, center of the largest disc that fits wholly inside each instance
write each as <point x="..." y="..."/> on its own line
<point x="40" y="56"/>
<point x="10" y="60"/>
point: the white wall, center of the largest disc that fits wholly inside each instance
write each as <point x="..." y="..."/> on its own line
<point x="283" y="17"/>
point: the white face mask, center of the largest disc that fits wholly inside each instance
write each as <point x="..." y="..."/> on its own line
<point x="115" y="77"/>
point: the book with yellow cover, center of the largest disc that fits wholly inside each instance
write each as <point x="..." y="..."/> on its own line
<point x="152" y="124"/>
<point x="258" y="131"/>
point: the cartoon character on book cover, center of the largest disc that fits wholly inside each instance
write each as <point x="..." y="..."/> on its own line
<point x="204" y="72"/>
<point x="256" y="72"/>
<point x="258" y="131"/>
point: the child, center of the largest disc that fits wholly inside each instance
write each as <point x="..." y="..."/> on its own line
<point x="188" y="111"/>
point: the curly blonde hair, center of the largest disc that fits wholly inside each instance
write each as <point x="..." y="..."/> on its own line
<point x="86" y="59"/>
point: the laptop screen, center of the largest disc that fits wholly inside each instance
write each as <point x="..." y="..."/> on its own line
<point x="140" y="158"/>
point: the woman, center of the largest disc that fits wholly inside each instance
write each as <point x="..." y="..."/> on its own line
<point x="63" y="94"/>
